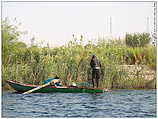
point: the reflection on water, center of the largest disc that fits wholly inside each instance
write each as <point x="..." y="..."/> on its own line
<point x="118" y="103"/>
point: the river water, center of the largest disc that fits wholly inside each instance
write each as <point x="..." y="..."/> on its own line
<point x="117" y="103"/>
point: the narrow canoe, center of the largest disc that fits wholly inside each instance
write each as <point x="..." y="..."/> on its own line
<point x="19" y="87"/>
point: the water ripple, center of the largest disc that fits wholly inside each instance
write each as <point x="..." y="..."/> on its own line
<point x="118" y="103"/>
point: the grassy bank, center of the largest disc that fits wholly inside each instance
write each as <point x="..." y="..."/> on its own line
<point x="33" y="65"/>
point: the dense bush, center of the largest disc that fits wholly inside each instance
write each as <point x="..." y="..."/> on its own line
<point x="137" y="39"/>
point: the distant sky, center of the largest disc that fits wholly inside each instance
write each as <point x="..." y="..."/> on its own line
<point x="55" y="22"/>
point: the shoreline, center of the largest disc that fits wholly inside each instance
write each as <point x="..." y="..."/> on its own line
<point x="9" y="89"/>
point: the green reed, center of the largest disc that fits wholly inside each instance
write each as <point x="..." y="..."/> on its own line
<point x="71" y="62"/>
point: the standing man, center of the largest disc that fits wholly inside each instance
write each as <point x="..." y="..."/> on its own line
<point x="96" y="70"/>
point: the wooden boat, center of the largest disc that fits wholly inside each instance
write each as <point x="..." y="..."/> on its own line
<point x="19" y="87"/>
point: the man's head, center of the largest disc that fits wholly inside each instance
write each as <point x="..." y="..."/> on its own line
<point x="93" y="56"/>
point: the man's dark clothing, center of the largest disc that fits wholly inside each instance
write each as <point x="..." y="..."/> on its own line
<point x="95" y="65"/>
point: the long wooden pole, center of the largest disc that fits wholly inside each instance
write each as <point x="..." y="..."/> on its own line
<point x="39" y="87"/>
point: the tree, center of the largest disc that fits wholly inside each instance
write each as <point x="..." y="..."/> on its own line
<point x="10" y="43"/>
<point x="137" y="39"/>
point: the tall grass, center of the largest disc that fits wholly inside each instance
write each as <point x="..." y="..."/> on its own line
<point x="71" y="64"/>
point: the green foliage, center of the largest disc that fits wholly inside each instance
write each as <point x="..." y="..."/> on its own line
<point x="10" y="43"/>
<point x="137" y="39"/>
<point x="139" y="55"/>
<point x="71" y="62"/>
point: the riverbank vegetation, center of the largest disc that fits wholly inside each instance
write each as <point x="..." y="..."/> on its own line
<point x="33" y="65"/>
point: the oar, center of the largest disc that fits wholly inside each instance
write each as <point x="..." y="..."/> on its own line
<point x="39" y="87"/>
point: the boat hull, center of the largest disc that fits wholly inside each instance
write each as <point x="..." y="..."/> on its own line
<point x="50" y="89"/>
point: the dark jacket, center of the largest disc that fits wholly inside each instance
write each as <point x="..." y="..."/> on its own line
<point x="95" y="63"/>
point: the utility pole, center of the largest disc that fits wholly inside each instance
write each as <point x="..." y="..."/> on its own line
<point x="147" y="25"/>
<point x="110" y="25"/>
